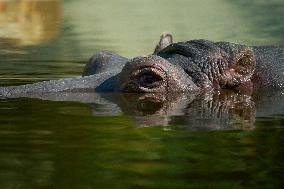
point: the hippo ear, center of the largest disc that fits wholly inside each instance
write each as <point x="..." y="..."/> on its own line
<point x="242" y="68"/>
<point x="245" y="63"/>
<point x="166" y="39"/>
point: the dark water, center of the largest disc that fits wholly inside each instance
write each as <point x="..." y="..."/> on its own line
<point x="87" y="140"/>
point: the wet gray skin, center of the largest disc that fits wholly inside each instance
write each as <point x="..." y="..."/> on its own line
<point x="197" y="65"/>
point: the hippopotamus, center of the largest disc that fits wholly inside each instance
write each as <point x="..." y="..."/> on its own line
<point x="190" y="66"/>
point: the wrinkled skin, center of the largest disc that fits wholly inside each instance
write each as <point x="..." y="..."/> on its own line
<point x="248" y="80"/>
<point x="192" y="66"/>
<point x="203" y="65"/>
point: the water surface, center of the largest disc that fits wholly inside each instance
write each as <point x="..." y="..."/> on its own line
<point x="88" y="140"/>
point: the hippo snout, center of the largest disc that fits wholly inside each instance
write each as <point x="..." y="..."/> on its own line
<point x="153" y="74"/>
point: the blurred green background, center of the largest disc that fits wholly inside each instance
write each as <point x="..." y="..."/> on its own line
<point x="53" y="39"/>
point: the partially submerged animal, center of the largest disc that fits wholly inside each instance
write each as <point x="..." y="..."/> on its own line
<point x="196" y="65"/>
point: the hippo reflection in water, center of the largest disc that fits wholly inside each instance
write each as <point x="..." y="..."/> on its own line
<point x="192" y="66"/>
<point x="193" y="111"/>
<point x="199" y="83"/>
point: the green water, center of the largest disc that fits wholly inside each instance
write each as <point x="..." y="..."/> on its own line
<point x="117" y="141"/>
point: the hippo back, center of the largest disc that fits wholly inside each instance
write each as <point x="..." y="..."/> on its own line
<point x="269" y="71"/>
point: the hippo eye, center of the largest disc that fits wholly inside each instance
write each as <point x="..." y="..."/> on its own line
<point x="149" y="78"/>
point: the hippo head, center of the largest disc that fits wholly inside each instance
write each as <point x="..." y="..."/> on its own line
<point x="154" y="74"/>
<point x="189" y="66"/>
